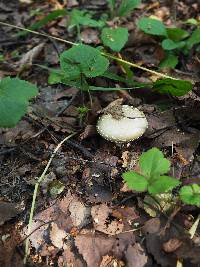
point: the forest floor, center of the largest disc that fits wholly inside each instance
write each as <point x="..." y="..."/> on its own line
<point x="84" y="214"/>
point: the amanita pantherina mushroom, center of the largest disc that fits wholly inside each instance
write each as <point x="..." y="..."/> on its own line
<point x="121" y="123"/>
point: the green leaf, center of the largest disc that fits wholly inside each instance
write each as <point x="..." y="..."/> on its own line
<point x="50" y="17"/>
<point x="55" y="77"/>
<point x="177" y="34"/>
<point x="190" y="194"/>
<point x="169" y="44"/>
<point x="111" y="4"/>
<point x="194" y="38"/>
<point x="173" y="87"/>
<point x="114" y="38"/>
<point x="152" y="26"/>
<point x="14" y="99"/>
<point x="83" y="59"/>
<point x="127" y="6"/>
<point x="170" y="61"/>
<point x="82" y="17"/>
<point x="153" y="163"/>
<point x="55" y="188"/>
<point x="162" y="184"/>
<point x="192" y="21"/>
<point x="135" y="181"/>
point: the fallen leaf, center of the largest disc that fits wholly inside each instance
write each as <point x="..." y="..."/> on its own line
<point x="8" y="211"/>
<point x="93" y="248"/>
<point x="57" y="236"/>
<point x="90" y="36"/>
<point x="136" y="256"/>
<point x="80" y="214"/>
<point x="109" y="261"/>
<point x="30" y="56"/>
<point x="171" y="245"/>
<point x="102" y="222"/>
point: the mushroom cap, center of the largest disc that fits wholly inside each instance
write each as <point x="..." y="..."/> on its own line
<point x="131" y="126"/>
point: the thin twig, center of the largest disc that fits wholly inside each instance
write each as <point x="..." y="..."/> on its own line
<point x="104" y="54"/>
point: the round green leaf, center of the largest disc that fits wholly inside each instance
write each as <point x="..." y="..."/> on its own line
<point x="83" y="59"/>
<point x="135" y="181"/>
<point x="177" y="34"/>
<point x="170" y="61"/>
<point x="194" y="38"/>
<point x="190" y="194"/>
<point x="14" y="99"/>
<point x="169" y="44"/>
<point x="162" y="184"/>
<point x="152" y="26"/>
<point x="114" y="38"/>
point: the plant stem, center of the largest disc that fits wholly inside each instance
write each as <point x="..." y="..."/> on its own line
<point x="137" y="66"/>
<point x="36" y="191"/>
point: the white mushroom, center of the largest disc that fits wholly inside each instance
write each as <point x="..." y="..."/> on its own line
<point x="128" y="126"/>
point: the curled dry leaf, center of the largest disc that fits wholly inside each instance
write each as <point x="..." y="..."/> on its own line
<point x="30" y="56"/>
<point x="172" y="245"/>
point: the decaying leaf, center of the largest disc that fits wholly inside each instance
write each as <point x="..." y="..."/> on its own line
<point x="8" y="211"/>
<point x="102" y="222"/>
<point x="79" y="213"/>
<point x="136" y="256"/>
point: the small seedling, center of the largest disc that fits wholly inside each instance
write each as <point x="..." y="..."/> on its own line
<point x="82" y="112"/>
<point x="173" y="40"/>
<point x="83" y="18"/>
<point x="152" y="178"/>
<point x="190" y="194"/>
<point x="125" y="7"/>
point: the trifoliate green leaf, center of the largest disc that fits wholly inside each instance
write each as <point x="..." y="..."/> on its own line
<point x="152" y="163"/>
<point x="135" y="181"/>
<point x="173" y="87"/>
<point x="190" y="194"/>
<point x="152" y="26"/>
<point x="14" y="99"/>
<point x="83" y="59"/>
<point x="162" y="184"/>
<point x="114" y="38"/>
